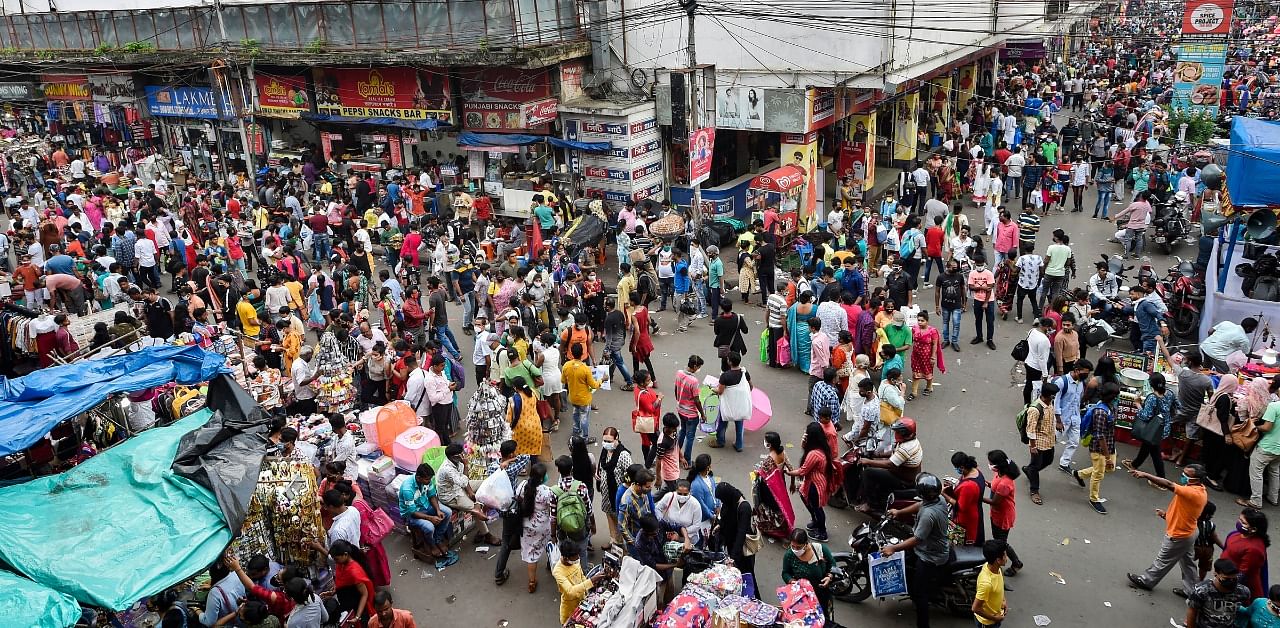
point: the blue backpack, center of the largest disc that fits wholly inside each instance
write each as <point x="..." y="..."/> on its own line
<point x="1086" y="424"/>
<point x="907" y="247"/>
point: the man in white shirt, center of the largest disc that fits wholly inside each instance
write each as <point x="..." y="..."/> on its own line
<point x="1013" y="173"/>
<point x="921" y="177"/>
<point x="76" y="198"/>
<point x="302" y="374"/>
<point x="415" y="388"/>
<point x="1225" y="339"/>
<point x="147" y="256"/>
<point x="77" y="168"/>
<point x="424" y="179"/>
<point x="369" y="336"/>
<point x="343" y="448"/>
<point x="1037" y="360"/>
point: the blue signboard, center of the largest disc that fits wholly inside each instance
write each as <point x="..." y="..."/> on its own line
<point x="186" y="102"/>
<point x="1197" y="77"/>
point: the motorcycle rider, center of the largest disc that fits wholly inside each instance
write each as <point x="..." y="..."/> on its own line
<point x="1104" y="289"/>
<point x="881" y="474"/>
<point x="928" y="542"/>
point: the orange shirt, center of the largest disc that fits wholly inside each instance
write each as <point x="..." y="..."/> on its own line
<point x="1184" y="509"/>
<point x="28" y="274"/>
<point x="417" y="208"/>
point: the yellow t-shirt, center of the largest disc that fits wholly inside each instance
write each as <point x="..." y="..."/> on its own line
<point x="573" y="585"/>
<point x="248" y="316"/>
<point x="991" y="592"/>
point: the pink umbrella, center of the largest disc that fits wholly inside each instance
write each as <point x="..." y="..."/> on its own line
<point x="761" y="410"/>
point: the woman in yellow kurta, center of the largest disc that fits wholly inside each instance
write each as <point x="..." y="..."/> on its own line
<point x="291" y="341"/>
<point x="526" y="425"/>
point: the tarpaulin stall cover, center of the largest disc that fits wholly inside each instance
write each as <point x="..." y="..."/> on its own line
<point x="515" y="139"/>
<point x="33" y="405"/>
<point x="25" y="604"/>
<point x="119" y="527"/>
<point x="1255" y="149"/>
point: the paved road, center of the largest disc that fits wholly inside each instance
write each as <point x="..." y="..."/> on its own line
<point x="972" y="411"/>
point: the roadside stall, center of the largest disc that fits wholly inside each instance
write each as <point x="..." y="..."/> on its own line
<point x="780" y="190"/>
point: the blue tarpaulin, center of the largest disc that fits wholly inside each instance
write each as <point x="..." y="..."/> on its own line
<point x="119" y="527"/>
<point x="25" y="604"/>
<point x="1255" y="150"/>
<point x="421" y="125"/>
<point x="515" y="139"/>
<point x="33" y="405"/>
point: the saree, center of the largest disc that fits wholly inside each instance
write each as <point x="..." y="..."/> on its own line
<point x="1006" y="288"/>
<point x="798" y="330"/>
<point x="772" y="513"/>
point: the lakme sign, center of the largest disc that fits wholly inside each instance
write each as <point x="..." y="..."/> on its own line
<point x="186" y="102"/>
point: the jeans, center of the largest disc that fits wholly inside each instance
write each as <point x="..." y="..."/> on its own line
<point x="1023" y="293"/>
<point x="1135" y="240"/>
<point x="320" y="247"/>
<point x="1104" y="306"/>
<point x="722" y="428"/>
<point x="435" y="534"/>
<point x="1071" y="434"/>
<point x="447" y="341"/>
<point x="988" y="311"/>
<point x="688" y="433"/>
<point x="616" y="361"/>
<point x="581" y="419"/>
<point x="512" y="528"/>
<point x="817" y="516"/>
<point x="1054" y="286"/>
<point x="1179" y="552"/>
<point x="928" y="266"/>
<point x="1002" y="534"/>
<point x="1095" y="473"/>
<point x="912" y="267"/>
<point x="951" y="325"/>
<point x="713" y="300"/>
<point x="666" y="287"/>
<point x="700" y="289"/>
<point x="1104" y="204"/>
<point x="468" y="309"/>
<point x="1011" y="186"/>
<point x="1264" y="468"/>
<point x="1040" y="460"/>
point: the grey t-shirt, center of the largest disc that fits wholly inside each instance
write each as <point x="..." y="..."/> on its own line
<point x="309" y="615"/>
<point x="931" y="530"/>
<point x="1193" y="387"/>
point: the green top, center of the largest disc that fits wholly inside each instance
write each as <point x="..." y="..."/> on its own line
<point x="794" y="569"/>
<point x="1270" y="441"/>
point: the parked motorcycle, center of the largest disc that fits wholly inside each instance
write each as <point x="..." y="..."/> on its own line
<point x="854" y="582"/>
<point x="1183" y="293"/>
<point x="1171" y="224"/>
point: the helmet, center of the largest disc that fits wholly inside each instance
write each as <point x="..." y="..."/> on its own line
<point x="928" y="485"/>
<point x="904" y="427"/>
<point x="1181" y="196"/>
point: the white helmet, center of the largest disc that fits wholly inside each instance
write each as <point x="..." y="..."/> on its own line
<point x="1181" y="196"/>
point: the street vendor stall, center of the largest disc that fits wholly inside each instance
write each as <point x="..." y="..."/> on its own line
<point x="779" y="189"/>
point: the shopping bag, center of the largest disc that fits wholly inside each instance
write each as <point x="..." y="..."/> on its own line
<point x="784" y="351"/>
<point x="764" y="346"/>
<point x="888" y="575"/>
<point x="496" y="491"/>
<point x="799" y="605"/>
<point x="553" y="554"/>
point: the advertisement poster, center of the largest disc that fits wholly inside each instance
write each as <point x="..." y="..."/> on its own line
<point x="493" y="98"/>
<point x="799" y="204"/>
<point x="114" y="88"/>
<point x="1207" y="17"/>
<point x="739" y="107"/>
<point x="540" y="111"/>
<point x="905" y="121"/>
<point x="856" y="157"/>
<point x="1197" y="76"/>
<point x="822" y="108"/>
<point x="701" y="144"/>
<point x="186" y="102"/>
<point x="282" y="96"/>
<point x="394" y="92"/>
<point x="966" y="83"/>
<point x="940" y="95"/>
<point x="66" y="87"/>
<point x="397" y="158"/>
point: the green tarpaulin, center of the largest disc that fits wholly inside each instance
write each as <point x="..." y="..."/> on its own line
<point x="25" y="604"/>
<point x="117" y="528"/>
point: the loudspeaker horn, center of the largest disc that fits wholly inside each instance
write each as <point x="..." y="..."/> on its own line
<point x="1210" y="222"/>
<point x="1261" y="224"/>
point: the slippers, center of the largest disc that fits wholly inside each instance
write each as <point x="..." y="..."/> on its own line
<point x="1037" y="499"/>
<point x="1247" y="504"/>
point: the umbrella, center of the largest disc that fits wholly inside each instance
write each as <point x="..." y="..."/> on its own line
<point x="761" y="410"/>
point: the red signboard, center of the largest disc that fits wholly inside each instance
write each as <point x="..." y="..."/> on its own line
<point x="494" y="97"/>
<point x="701" y="144"/>
<point x="282" y="95"/>
<point x="540" y="111"/>
<point x="1207" y="17"/>
<point x="66" y="87"/>
<point x="397" y="160"/>
<point x="394" y="92"/>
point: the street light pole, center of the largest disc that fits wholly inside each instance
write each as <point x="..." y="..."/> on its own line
<point x="695" y="207"/>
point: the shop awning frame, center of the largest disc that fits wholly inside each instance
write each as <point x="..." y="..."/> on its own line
<point x="468" y="138"/>
<point x="421" y="125"/>
<point x="779" y="179"/>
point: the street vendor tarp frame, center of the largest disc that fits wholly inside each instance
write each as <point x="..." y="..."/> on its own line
<point x="515" y="139"/>
<point x="119" y="527"/>
<point x="33" y="405"/>
<point x="1255" y="151"/>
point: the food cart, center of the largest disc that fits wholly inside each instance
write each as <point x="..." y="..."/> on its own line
<point x="779" y="189"/>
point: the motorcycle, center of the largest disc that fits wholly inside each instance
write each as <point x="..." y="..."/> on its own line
<point x="1182" y="291"/>
<point x="853" y="585"/>
<point x="1171" y="224"/>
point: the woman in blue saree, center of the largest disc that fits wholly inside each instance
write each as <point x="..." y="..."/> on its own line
<point x="798" y="329"/>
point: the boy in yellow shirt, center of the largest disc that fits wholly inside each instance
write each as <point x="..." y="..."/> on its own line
<point x="989" y="606"/>
<point x="578" y="379"/>
<point x="573" y="584"/>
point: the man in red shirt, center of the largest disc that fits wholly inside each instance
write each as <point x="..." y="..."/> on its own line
<point x="1002" y="153"/>
<point x="481" y="213"/>
<point x="233" y="207"/>
<point x="933" y="237"/>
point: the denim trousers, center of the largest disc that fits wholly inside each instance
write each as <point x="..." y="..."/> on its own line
<point x="688" y="433"/>
<point x="723" y="427"/>
<point x="581" y="419"/>
<point x="951" y="325"/>
<point x="616" y="361"/>
<point x="435" y="534"/>
<point x="1104" y="204"/>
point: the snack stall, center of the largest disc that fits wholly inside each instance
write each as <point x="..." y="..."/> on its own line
<point x="779" y="189"/>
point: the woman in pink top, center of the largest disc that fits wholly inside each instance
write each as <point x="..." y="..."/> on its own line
<point x="1006" y="242"/>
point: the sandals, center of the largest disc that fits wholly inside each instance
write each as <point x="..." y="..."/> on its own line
<point x="1247" y="504"/>
<point x="927" y="391"/>
<point x="502" y="579"/>
<point x="490" y="539"/>
<point x="1037" y="499"/>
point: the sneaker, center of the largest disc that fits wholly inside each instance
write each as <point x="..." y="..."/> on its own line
<point x="927" y="285"/>
<point x="818" y="535"/>
<point x="1018" y="321"/>
<point x="1079" y="480"/>
<point x="1098" y="508"/>
<point x="1066" y="468"/>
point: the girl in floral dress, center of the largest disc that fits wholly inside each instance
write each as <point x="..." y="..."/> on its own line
<point x="926" y="350"/>
<point x="534" y="498"/>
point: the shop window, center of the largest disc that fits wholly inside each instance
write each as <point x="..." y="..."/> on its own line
<point x="256" y="26"/>
<point x="308" y="19"/>
<point x="124" y="28"/>
<point x="22" y="37"/>
<point x="467" y="19"/>
<point x="401" y="32"/>
<point x="144" y="27"/>
<point x="39" y="39"/>
<point x="167" y="30"/>
<point x="433" y="22"/>
<point x="569" y="24"/>
<point x="106" y="30"/>
<point x="527" y="21"/>
<point x="75" y="30"/>
<point x="53" y="26"/>
<point x="337" y="25"/>
<point x="500" y="20"/>
<point x="284" y="33"/>
<point x="368" y="23"/>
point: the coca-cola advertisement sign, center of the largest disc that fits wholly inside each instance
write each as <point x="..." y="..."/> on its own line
<point x="494" y="99"/>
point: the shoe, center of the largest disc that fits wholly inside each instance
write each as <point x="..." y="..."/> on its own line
<point x="1079" y="480"/>
<point x="502" y="579"/>
<point x="591" y="441"/>
<point x="955" y="347"/>
<point x="927" y="285"/>
<point x="991" y="344"/>
<point x="818" y="535"/>
<point x="1066" y="468"/>
<point x="911" y="396"/>
<point x="1178" y="591"/>
<point x="738" y="449"/>
<point x="976" y="341"/>
<point x="1018" y="320"/>
<point x="1012" y="570"/>
<point x="1137" y="583"/>
<point x="715" y="445"/>
<point x="1098" y="508"/>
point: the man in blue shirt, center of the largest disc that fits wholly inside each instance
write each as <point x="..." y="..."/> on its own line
<point x="546" y="217"/>
<point x="224" y="596"/>
<point x="59" y="263"/>
<point x="683" y="285"/>
<point x="1067" y="406"/>
<point x="1149" y="309"/>
<point x="850" y="278"/>
<point x="393" y="191"/>
<point x="421" y="509"/>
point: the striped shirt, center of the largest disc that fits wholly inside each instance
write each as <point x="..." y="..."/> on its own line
<point x="1028" y="226"/>
<point x="687" y="388"/>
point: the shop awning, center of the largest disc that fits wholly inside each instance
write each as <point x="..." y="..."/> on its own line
<point x="421" y="125"/>
<point x="515" y="139"/>
<point x="779" y="179"/>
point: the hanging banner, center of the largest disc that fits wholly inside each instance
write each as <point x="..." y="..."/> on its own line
<point x="856" y="157"/>
<point x="1207" y="18"/>
<point x="739" y="107"/>
<point x="905" y="123"/>
<point x="115" y="89"/>
<point x="397" y="158"/>
<point x="1197" y="77"/>
<point x="66" y="87"/>
<point x="799" y="205"/>
<point x="390" y="92"/>
<point x="186" y="102"/>
<point x="493" y="98"/>
<point x="19" y="91"/>
<point x="966" y="83"/>
<point x="701" y="144"/>
<point x="822" y="108"/>
<point x="282" y="96"/>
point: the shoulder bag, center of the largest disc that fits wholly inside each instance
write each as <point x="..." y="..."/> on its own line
<point x="642" y="423"/>
<point x="1207" y="418"/>
<point x="751" y="542"/>
<point x="1243" y="435"/>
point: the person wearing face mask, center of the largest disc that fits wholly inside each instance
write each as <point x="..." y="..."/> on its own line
<point x="593" y="297"/>
<point x="812" y="561"/>
<point x="611" y="476"/>
<point x="573" y="584"/>
<point x="1247" y="547"/>
<point x="679" y="511"/>
<point x="1214" y="602"/>
<point x="484" y="348"/>
<point x="982" y="284"/>
<point x="1180" y="517"/>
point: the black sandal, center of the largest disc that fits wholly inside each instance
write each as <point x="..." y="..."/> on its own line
<point x="502" y="579"/>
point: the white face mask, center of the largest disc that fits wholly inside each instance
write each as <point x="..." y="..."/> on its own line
<point x="610" y="445"/>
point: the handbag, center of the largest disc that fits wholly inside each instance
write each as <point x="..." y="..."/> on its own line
<point x="1207" y="418"/>
<point x="722" y="351"/>
<point x="751" y="542"/>
<point x="641" y="423"/>
<point x="1244" y="435"/>
<point x="1021" y="350"/>
<point x="784" y="351"/>
<point x="764" y="346"/>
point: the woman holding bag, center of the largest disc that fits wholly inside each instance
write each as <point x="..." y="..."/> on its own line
<point x="646" y="414"/>
<point x="1151" y="425"/>
<point x="1215" y="419"/>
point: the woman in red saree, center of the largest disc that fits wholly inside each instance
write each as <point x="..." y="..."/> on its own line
<point x="773" y="513"/>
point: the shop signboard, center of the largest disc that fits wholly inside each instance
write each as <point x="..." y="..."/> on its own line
<point x="186" y="102"/>
<point x="19" y="91"/>
<point x="388" y="92"/>
<point x="393" y="144"/>
<point x="856" y="156"/>
<point x="822" y="108"/>
<point x="494" y="98"/>
<point x="539" y="111"/>
<point x="905" y="121"/>
<point x="1207" y="18"/>
<point x="66" y="87"/>
<point x="571" y="74"/>
<point x="701" y="144"/>
<point x="1197" y="77"/>
<point x="116" y="88"/>
<point x="786" y="110"/>
<point x="740" y="107"/>
<point x="282" y="96"/>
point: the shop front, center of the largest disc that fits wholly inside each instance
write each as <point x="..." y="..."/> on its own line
<point x="198" y="124"/>
<point x="499" y="101"/>
<point x="120" y="117"/>
<point x="278" y="133"/>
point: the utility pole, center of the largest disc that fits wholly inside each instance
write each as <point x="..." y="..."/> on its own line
<point x="695" y="116"/>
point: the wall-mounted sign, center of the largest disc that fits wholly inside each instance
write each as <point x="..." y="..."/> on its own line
<point x="19" y="91"/>
<point x="66" y="87"/>
<point x="186" y="102"/>
<point x="494" y="98"/>
<point x="394" y="92"/>
<point x="116" y="88"/>
<point x="282" y="96"/>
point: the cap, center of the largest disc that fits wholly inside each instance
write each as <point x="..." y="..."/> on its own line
<point x="898" y="317"/>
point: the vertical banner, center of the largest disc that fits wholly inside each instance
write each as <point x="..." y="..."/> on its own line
<point x="966" y="83"/>
<point x="801" y="150"/>
<point x="701" y="144"/>
<point x="857" y="153"/>
<point x="1197" y="77"/>
<point x="397" y="158"/>
<point x="905" y="123"/>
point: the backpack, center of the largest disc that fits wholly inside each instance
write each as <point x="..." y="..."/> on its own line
<point x="1086" y="424"/>
<point x="1021" y="420"/>
<point x="571" y="510"/>
<point x="907" y="247"/>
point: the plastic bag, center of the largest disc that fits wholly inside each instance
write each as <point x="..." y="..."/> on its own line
<point x="784" y="351"/>
<point x="764" y="346"/>
<point x="496" y="491"/>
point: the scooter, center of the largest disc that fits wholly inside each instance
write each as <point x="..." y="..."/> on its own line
<point x="853" y="584"/>
<point x="1183" y="292"/>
